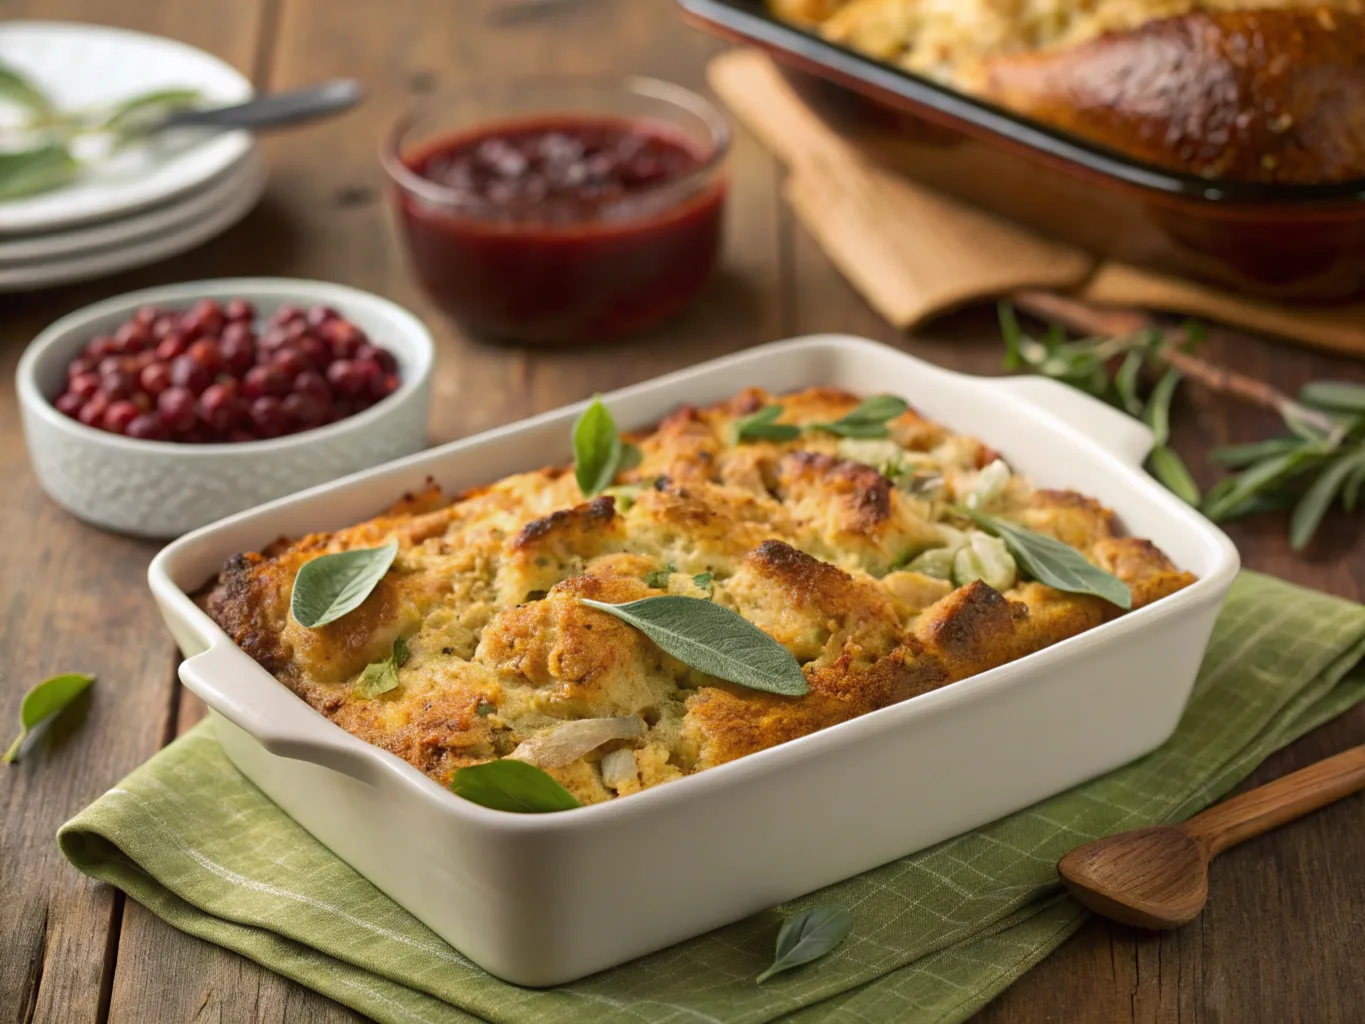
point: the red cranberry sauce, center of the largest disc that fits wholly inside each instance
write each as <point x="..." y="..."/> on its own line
<point x="208" y="375"/>
<point x="564" y="228"/>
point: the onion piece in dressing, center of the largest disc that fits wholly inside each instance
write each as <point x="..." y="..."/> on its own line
<point x="564" y="744"/>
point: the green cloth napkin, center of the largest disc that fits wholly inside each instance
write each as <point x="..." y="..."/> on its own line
<point x="935" y="935"/>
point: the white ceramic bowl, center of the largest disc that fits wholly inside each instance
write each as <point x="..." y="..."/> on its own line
<point x="164" y="489"/>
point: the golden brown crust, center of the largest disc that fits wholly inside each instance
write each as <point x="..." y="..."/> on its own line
<point x="808" y="539"/>
<point x="1266" y="95"/>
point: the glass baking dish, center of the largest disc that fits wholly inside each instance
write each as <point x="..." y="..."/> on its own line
<point x="1295" y="243"/>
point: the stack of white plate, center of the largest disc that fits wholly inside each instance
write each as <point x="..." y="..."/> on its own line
<point x="151" y="201"/>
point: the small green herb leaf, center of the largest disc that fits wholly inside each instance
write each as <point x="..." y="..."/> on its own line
<point x="1236" y="456"/>
<point x="659" y="578"/>
<point x="1230" y="494"/>
<point x="1014" y="338"/>
<point x="1158" y="412"/>
<point x="1334" y="395"/>
<point x="511" y="785"/>
<point x="705" y="581"/>
<point x="1058" y="565"/>
<point x="382" y="676"/>
<point x="328" y="587"/>
<point x="1126" y="381"/>
<point x="596" y="449"/>
<point x="631" y="456"/>
<point x="1318" y="499"/>
<point x="134" y="115"/>
<point x="44" y="701"/>
<point x="1171" y="470"/>
<point x="808" y="937"/>
<point x="763" y="425"/>
<point x="30" y="171"/>
<point x="868" y="420"/>
<point x="18" y="90"/>
<point x="713" y="640"/>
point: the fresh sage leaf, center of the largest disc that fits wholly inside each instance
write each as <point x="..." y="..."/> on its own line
<point x="713" y="640"/>
<point x="382" y="676"/>
<point x="511" y="785"/>
<point x="330" y="586"/>
<point x="705" y="581"/>
<point x="808" y="937"/>
<point x="1171" y="470"/>
<point x="659" y="578"/>
<point x="1318" y="499"/>
<point x="596" y="449"/>
<point x="15" y="88"/>
<point x="44" y="701"/>
<point x="1237" y="456"/>
<point x="1333" y="395"/>
<point x="30" y="171"/>
<point x="135" y="115"/>
<point x="762" y="425"/>
<point x="869" y="419"/>
<point x="1220" y="502"/>
<point x="1126" y="381"/>
<point x="1158" y="412"/>
<point x="631" y="456"/>
<point x="1049" y="561"/>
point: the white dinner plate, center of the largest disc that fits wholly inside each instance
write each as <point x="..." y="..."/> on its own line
<point x="180" y="238"/>
<point x="139" y="226"/>
<point x="88" y="65"/>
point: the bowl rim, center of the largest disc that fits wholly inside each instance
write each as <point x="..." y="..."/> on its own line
<point x="418" y="365"/>
<point x="670" y="93"/>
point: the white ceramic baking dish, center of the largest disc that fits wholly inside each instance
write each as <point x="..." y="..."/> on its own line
<point x="543" y="899"/>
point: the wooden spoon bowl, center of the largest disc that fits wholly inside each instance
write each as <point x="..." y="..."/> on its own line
<point x="1159" y="877"/>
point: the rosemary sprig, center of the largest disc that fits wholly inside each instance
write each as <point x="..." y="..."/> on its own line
<point x="1319" y="463"/>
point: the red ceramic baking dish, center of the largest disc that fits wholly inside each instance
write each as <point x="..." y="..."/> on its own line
<point x="1287" y="242"/>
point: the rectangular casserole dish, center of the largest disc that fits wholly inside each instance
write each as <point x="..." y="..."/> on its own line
<point x="543" y="899"/>
<point x="1293" y="243"/>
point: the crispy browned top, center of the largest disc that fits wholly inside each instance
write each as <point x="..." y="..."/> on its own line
<point x="846" y="552"/>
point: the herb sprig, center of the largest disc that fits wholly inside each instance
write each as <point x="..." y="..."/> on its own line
<point x="1318" y="463"/>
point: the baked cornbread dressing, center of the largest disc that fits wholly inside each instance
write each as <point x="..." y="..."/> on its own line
<point x="1241" y="90"/>
<point x="846" y="551"/>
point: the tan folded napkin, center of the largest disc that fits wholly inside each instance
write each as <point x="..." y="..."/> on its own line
<point x="914" y="253"/>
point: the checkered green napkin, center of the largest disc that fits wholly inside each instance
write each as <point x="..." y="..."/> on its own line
<point x="935" y="935"/>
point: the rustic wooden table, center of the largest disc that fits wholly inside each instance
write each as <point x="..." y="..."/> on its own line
<point x="1283" y="934"/>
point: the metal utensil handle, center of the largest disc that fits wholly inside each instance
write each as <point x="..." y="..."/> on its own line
<point x="278" y="109"/>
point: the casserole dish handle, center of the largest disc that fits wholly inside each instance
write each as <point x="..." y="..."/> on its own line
<point x="252" y="709"/>
<point x="1127" y="439"/>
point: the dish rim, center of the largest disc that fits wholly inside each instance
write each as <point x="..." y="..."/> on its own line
<point x="751" y="20"/>
<point x="695" y="787"/>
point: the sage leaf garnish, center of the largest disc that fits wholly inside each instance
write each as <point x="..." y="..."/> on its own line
<point x="1171" y="470"/>
<point x="763" y="425"/>
<point x="1049" y="561"/>
<point x="659" y="578"/>
<point x="382" y="676"/>
<point x="705" y="581"/>
<point x="1158" y="411"/>
<point x="17" y="89"/>
<point x="26" y="172"/>
<point x="596" y="449"/>
<point x="509" y="785"/>
<point x="713" y="640"/>
<point x="330" y="586"/>
<point x="870" y="419"/>
<point x="808" y="937"/>
<point x="133" y="116"/>
<point x="1318" y="499"/>
<point x="45" y="701"/>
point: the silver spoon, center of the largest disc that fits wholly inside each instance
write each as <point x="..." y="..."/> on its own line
<point x="275" y="110"/>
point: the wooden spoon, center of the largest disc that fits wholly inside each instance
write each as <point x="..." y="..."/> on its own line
<point x="1159" y="877"/>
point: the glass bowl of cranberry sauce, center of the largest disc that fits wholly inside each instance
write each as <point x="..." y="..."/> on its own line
<point x="561" y="210"/>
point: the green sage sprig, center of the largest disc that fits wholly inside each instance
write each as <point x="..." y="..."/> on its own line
<point x="1319" y="463"/>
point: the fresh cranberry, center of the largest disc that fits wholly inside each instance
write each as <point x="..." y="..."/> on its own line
<point x="146" y="426"/>
<point x="220" y="406"/>
<point x="155" y="378"/>
<point x="165" y="324"/>
<point x="92" y="412"/>
<point x="314" y="385"/>
<point x="207" y="354"/>
<point x="84" y="385"/>
<point x="240" y="435"/>
<point x="146" y="316"/>
<point x="119" y="415"/>
<point x="285" y="314"/>
<point x="238" y="351"/>
<point x="271" y="339"/>
<point x="239" y="311"/>
<point x="175" y="407"/>
<point x="100" y="347"/>
<point x="268" y="417"/>
<point x="119" y="384"/>
<point x="206" y="316"/>
<point x="304" y="409"/>
<point x="287" y="362"/>
<point x="319" y="315"/>
<point x="314" y="352"/>
<point x="262" y="381"/>
<point x="347" y="378"/>
<point x="70" y="403"/>
<point x="188" y="372"/>
<point x="198" y="434"/>
<point x="132" y="338"/>
<point x="174" y="344"/>
<point x="112" y="364"/>
<point x="343" y="338"/>
<point x="383" y="385"/>
<point x="80" y="365"/>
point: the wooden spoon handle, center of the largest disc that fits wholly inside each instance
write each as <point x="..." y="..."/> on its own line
<point x="1272" y="805"/>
